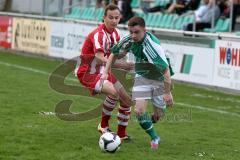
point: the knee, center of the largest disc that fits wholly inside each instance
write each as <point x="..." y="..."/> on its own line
<point x="126" y="102"/>
<point x="157" y="116"/>
<point x="114" y="94"/>
<point x="139" y="111"/>
<point x="124" y="98"/>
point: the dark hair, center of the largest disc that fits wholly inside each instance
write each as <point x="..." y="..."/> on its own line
<point x="110" y="7"/>
<point x="135" y="21"/>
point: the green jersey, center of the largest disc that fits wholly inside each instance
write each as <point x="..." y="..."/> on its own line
<point x="150" y="58"/>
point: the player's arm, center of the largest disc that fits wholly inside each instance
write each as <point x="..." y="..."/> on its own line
<point x="101" y="59"/>
<point x="109" y="63"/>
<point x="166" y="70"/>
<point x="120" y="62"/>
<point x="120" y="50"/>
<point x="167" y="88"/>
<point x="167" y="81"/>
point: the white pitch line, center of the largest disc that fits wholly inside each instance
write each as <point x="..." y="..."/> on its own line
<point x="24" y="68"/>
<point x="29" y="69"/>
<point x="207" y="109"/>
<point x="177" y="103"/>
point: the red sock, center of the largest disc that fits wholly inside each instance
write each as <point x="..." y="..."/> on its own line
<point x="108" y="106"/>
<point x="121" y="131"/>
<point x="123" y="117"/>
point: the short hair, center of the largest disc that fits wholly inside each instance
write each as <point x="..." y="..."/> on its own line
<point x="110" y="7"/>
<point x="135" y="21"/>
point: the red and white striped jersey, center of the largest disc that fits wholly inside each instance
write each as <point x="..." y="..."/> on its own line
<point x="99" y="40"/>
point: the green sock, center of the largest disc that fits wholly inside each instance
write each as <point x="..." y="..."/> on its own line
<point x="146" y="124"/>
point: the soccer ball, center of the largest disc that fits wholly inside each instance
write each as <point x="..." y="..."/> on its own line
<point x="109" y="142"/>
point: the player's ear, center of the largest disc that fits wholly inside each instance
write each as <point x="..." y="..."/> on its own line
<point x="144" y="29"/>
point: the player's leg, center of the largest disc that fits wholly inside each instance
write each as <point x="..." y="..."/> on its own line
<point x="159" y="107"/>
<point x="109" y="103"/>
<point x="124" y="109"/>
<point x="158" y="114"/>
<point x="142" y="92"/>
<point x="96" y="85"/>
<point x="158" y="102"/>
<point x="145" y="121"/>
<point x="124" y="112"/>
<point x="109" y="89"/>
<point x="114" y="91"/>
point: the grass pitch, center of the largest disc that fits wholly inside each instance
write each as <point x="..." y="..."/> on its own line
<point x="203" y="124"/>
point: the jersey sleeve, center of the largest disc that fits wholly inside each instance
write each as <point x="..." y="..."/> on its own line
<point x="123" y="45"/>
<point x="98" y="41"/>
<point x="156" y="40"/>
<point x="157" y="55"/>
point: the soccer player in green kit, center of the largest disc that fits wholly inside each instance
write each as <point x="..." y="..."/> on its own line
<point x="153" y="74"/>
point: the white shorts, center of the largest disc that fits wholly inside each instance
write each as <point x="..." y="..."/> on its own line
<point x="149" y="89"/>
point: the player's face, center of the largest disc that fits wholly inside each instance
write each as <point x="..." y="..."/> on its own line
<point x="137" y="33"/>
<point x="112" y="19"/>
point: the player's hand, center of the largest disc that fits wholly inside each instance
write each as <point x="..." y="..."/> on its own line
<point x="104" y="76"/>
<point x="167" y="97"/>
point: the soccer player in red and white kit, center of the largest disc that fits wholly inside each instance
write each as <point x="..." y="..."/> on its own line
<point x="95" y="52"/>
